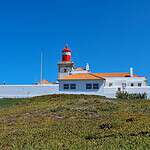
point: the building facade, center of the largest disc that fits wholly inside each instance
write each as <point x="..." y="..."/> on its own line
<point x="79" y="80"/>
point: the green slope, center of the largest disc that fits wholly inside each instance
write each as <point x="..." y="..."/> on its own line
<point x="74" y="122"/>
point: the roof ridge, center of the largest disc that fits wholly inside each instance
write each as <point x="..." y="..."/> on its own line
<point x="84" y="76"/>
<point x="96" y="76"/>
<point x="110" y="72"/>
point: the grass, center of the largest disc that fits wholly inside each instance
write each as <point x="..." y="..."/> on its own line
<point x="73" y="122"/>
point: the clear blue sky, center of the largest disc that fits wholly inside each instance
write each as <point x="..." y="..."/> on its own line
<point x="111" y="35"/>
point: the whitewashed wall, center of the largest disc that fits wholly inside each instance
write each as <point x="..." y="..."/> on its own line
<point x="22" y="91"/>
<point x="16" y="91"/>
<point x="117" y="81"/>
<point x="81" y="86"/>
<point x="111" y="91"/>
<point x="105" y="90"/>
<point x="145" y="89"/>
<point x="78" y="72"/>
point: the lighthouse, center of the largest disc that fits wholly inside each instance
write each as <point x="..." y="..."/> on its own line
<point x="66" y="65"/>
<point x="66" y="54"/>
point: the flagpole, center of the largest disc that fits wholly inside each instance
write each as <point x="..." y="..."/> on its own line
<point x="41" y="70"/>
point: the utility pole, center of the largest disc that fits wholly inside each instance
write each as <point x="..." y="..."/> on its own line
<point x="41" y="70"/>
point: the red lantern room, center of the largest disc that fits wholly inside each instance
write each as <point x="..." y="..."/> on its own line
<point x="66" y="54"/>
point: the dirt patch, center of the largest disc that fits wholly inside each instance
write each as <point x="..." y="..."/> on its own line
<point x="130" y="120"/>
<point x="105" y="126"/>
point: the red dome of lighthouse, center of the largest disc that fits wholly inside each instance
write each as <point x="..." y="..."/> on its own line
<point x="66" y="49"/>
<point x="66" y="54"/>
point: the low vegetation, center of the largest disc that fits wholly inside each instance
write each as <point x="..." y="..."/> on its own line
<point x="129" y="96"/>
<point x="73" y="122"/>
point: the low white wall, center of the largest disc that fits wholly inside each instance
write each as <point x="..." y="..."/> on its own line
<point x="22" y="91"/>
<point x="16" y="91"/>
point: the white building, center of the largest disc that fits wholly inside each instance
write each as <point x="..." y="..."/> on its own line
<point x="82" y="81"/>
<point x="106" y="84"/>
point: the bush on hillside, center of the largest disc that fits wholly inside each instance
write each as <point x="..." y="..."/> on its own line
<point x="126" y="95"/>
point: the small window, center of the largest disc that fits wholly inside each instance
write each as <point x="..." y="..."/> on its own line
<point x="72" y="86"/>
<point x="65" y="70"/>
<point x="119" y="89"/>
<point x="124" y="85"/>
<point x="96" y="86"/>
<point x="66" y="86"/>
<point x="88" y="86"/>
<point x="132" y="84"/>
<point x="110" y="84"/>
<point x="139" y="84"/>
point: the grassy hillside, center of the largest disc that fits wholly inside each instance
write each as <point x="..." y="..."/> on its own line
<point x="74" y="122"/>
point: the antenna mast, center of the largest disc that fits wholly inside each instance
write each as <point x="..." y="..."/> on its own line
<point x="41" y="70"/>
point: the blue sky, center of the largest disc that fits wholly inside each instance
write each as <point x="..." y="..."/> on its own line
<point x="111" y="35"/>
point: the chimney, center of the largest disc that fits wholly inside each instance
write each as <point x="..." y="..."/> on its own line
<point x="131" y="72"/>
<point x="87" y="67"/>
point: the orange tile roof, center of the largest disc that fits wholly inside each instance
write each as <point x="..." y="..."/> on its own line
<point x="44" y="82"/>
<point x="82" y="76"/>
<point x="114" y="75"/>
<point x="79" y="69"/>
<point x="95" y="76"/>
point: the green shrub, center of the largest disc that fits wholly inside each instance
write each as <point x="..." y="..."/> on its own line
<point x="126" y="95"/>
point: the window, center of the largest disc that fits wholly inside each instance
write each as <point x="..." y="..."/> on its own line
<point x="119" y="89"/>
<point x="139" y="84"/>
<point x="124" y="85"/>
<point x="96" y="86"/>
<point x="66" y="86"/>
<point x="65" y="70"/>
<point x="132" y="84"/>
<point x="88" y="86"/>
<point x="72" y="86"/>
<point x="110" y="84"/>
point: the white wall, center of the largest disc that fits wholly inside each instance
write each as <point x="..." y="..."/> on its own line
<point x="21" y="91"/>
<point x="117" y="81"/>
<point x="111" y="91"/>
<point x="81" y="85"/>
<point x="78" y="72"/>
<point x="107" y="91"/>
<point x="16" y="91"/>
<point x="145" y="89"/>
